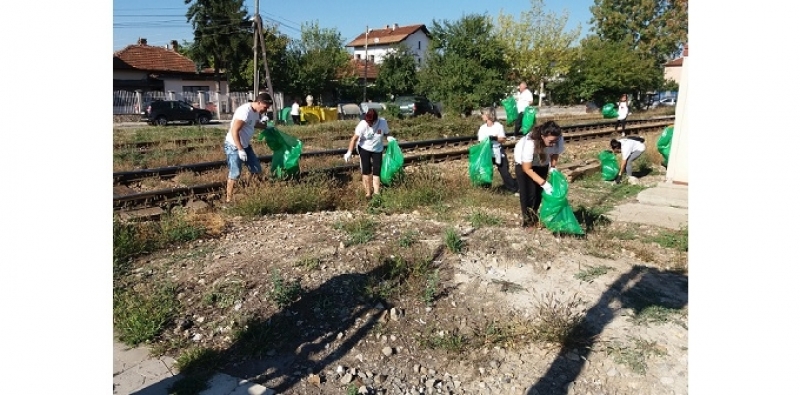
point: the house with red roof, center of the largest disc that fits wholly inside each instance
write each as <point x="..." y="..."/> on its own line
<point x="374" y="44"/>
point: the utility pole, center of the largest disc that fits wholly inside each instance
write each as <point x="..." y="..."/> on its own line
<point x="266" y="66"/>
<point x="255" y="53"/>
<point x="366" y="44"/>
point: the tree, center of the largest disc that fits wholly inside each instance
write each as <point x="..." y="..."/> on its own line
<point x="318" y="58"/>
<point x="537" y="47"/>
<point x="220" y="33"/>
<point x="397" y="74"/>
<point x="465" y="67"/>
<point x="656" y="27"/>
<point x="279" y="71"/>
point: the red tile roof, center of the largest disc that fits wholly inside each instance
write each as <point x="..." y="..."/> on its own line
<point x="356" y="67"/>
<point x="149" y="58"/>
<point x="678" y="62"/>
<point x="386" y="36"/>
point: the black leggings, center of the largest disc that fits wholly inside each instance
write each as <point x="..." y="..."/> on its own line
<point x="530" y="194"/>
<point x="620" y="122"/>
<point x="371" y="162"/>
<point x="508" y="182"/>
<point x="518" y="123"/>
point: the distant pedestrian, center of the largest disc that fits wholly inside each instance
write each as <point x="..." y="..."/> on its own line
<point x="536" y="156"/>
<point x="622" y="113"/>
<point x="295" y="113"/>
<point x="524" y="99"/>
<point x="238" y="150"/>
<point x="369" y="134"/>
<point x="630" y="148"/>
<point x="494" y="131"/>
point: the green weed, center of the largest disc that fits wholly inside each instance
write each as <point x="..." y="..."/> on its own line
<point x="453" y="241"/>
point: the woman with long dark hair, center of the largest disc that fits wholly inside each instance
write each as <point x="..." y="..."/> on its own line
<point x="536" y="155"/>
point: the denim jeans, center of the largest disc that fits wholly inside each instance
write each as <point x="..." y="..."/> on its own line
<point x="235" y="164"/>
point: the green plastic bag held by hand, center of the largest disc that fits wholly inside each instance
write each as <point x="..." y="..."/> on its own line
<point x="555" y="212"/>
<point x="609" y="165"/>
<point x="528" y="119"/>
<point x="510" y="106"/>
<point x="664" y="144"/>
<point x="480" y="163"/>
<point x="392" y="162"/>
<point x="609" y="111"/>
<point x="286" y="151"/>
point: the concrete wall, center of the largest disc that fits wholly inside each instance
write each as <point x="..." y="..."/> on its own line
<point x="673" y="73"/>
<point x="678" y="168"/>
<point x="177" y="85"/>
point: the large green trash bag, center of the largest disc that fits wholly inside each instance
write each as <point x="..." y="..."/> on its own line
<point x="392" y="162"/>
<point x="510" y="104"/>
<point x="664" y="144"/>
<point x="609" y="110"/>
<point x="286" y="152"/>
<point x="528" y="119"/>
<point x="609" y="165"/>
<point x="480" y="163"/>
<point x="555" y="212"/>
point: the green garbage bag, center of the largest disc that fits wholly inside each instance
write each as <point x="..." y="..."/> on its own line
<point x="480" y="163"/>
<point x="609" y="165"/>
<point x="609" y="110"/>
<point x="555" y="212"/>
<point x="528" y="119"/>
<point x="286" y="152"/>
<point x="510" y="104"/>
<point x="664" y="144"/>
<point x="392" y="162"/>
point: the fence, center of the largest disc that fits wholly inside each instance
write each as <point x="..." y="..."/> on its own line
<point x="128" y="102"/>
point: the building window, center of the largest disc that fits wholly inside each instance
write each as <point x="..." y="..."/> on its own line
<point x="419" y="44"/>
<point x="372" y="58"/>
<point x="358" y="56"/>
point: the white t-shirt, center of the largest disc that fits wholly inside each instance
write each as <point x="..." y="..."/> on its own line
<point x="371" y="138"/>
<point x="622" y="110"/>
<point x="249" y="116"/>
<point x="495" y="130"/>
<point x="524" y="99"/>
<point x="629" y="146"/>
<point x="295" y="109"/>
<point x="523" y="151"/>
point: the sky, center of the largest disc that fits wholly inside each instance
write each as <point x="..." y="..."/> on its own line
<point x="161" y="21"/>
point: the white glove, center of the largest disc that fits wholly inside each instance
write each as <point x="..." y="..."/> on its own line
<point x="243" y="155"/>
<point x="390" y="138"/>
<point x="347" y="156"/>
<point x="548" y="189"/>
<point x="552" y="169"/>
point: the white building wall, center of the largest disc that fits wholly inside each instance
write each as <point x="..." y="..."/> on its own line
<point x="417" y="42"/>
<point x="678" y="167"/>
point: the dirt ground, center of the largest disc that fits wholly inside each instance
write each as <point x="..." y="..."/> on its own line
<point x="465" y="323"/>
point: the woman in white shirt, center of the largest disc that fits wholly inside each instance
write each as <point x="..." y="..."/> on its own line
<point x="369" y="134"/>
<point x="622" y="113"/>
<point x="536" y="155"/>
<point x="630" y="149"/>
<point x="494" y="131"/>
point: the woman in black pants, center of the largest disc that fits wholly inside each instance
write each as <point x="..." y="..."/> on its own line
<point x="536" y="155"/>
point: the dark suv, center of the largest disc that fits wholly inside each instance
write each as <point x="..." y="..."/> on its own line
<point x="412" y="106"/>
<point x="160" y="112"/>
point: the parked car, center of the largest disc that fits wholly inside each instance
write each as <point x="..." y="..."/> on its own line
<point x="412" y="106"/>
<point x="161" y="112"/>
<point x="670" y="101"/>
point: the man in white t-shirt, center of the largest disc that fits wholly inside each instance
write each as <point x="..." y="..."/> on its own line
<point x="295" y="113"/>
<point x="524" y="99"/>
<point x="238" y="150"/>
<point x="630" y="148"/>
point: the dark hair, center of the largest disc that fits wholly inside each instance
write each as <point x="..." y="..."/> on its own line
<point x="371" y="115"/>
<point x="615" y="144"/>
<point x="549" y="128"/>
<point x="264" y="97"/>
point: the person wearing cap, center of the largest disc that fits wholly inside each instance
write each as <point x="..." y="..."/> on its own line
<point x="630" y="148"/>
<point x="238" y="150"/>
<point x="369" y="135"/>
<point x="536" y="155"/>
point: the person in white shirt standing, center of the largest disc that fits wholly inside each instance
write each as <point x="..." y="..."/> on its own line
<point x="630" y="148"/>
<point x="536" y="156"/>
<point x="369" y="134"/>
<point x="622" y="113"/>
<point x="295" y="113"/>
<point x="238" y="150"/>
<point x="524" y="99"/>
<point x="494" y="131"/>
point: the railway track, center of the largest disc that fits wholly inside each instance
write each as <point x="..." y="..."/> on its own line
<point x="165" y="198"/>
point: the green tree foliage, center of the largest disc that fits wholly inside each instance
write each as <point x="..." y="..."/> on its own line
<point x="279" y="71"/>
<point x="537" y="46"/>
<point x="398" y="72"/>
<point x="318" y="58"/>
<point x="220" y="33"/>
<point x="465" y="67"/>
<point x="656" y="27"/>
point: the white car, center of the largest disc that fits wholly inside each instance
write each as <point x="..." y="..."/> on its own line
<point x="670" y="101"/>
